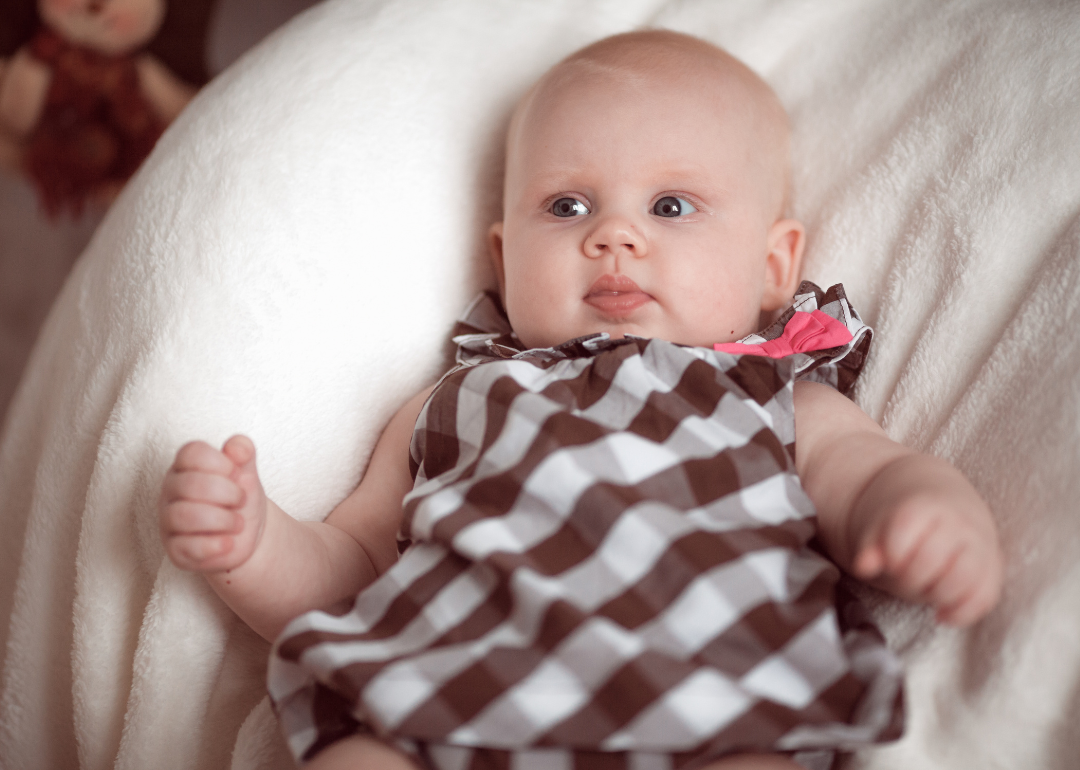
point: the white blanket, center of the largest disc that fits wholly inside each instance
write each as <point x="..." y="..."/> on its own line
<point x="289" y="260"/>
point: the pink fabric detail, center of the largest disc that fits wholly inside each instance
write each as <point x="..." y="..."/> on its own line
<point x="803" y="333"/>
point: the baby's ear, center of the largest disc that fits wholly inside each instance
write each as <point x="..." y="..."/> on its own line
<point x="783" y="263"/>
<point x="495" y="249"/>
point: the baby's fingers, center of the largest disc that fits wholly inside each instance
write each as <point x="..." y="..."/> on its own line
<point x="200" y="456"/>
<point x="972" y="607"/>
<point x="240" y="450"/>
<point x="202" y="487"/>
<point x="888" y="547"/>
<point x="202" y="553"/>
<point x="870" y="561"/>
<point x="905" y="540"/>
<point x="186" y="518"/>
<point x="933" y="557"/>
<point x="970" y="588"/>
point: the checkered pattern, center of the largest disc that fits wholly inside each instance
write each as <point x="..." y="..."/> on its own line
<point x="609" y="567"/>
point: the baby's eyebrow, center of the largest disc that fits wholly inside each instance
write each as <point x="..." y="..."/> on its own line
<point x="569" y="179"/>
<point x="565" y="179"/>
<point x="690" y="177"/>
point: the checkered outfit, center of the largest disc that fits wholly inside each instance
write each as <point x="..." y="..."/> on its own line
<point x="610" y="567"/>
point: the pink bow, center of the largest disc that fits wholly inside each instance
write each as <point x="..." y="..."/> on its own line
<point x="803" y="333"/>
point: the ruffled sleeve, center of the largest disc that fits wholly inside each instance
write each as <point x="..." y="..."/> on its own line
<point x="483" y="331"/>
<point x="821" y="332"/>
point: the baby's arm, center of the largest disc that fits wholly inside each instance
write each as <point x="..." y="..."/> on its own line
<point x="216" y="519"/>
<point x="906" y="521"/>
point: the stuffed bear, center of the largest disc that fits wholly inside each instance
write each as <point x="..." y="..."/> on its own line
<point x="81" y="105"/>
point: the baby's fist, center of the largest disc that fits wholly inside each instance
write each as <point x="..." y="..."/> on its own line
<point x="938" y="548"/>
<point x="212" y="507"/>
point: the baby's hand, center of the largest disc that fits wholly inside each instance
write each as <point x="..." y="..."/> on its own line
<point x="213" y="507"/>
<point x="937" y="546"/>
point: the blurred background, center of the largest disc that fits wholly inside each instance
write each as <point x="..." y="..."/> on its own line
<point x="197" y="41"/>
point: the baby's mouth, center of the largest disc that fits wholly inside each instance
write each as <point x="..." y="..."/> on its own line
<point x="616" y="295"/>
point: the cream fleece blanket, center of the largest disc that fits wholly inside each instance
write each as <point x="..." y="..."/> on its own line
<point x="289" y="260"/>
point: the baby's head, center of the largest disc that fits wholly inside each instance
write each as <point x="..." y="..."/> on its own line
<point x="646" y="181"/>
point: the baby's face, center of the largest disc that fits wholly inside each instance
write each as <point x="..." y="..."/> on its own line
<point x="640" y="205"/>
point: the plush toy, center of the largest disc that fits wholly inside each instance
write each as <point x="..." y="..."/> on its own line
<point x="79" y="103"/>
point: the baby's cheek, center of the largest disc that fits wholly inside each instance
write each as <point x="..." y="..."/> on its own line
<point x="530" y="323"/>
<point x="720" y="309"/>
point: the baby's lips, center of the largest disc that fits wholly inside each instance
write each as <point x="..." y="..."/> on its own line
<point x="612" y="284"/>
<point x="616" y="295"/>
<point x="620" y="304"/>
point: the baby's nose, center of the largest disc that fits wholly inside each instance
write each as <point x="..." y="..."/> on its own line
<point x="615" y="235"/>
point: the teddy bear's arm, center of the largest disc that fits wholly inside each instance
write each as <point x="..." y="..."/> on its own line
<point x="167" y="94"/>
<point x="24" y="84"/>
<point x="9" y="148"/>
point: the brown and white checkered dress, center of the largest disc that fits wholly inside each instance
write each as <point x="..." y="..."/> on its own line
<point x="610" y="567"/>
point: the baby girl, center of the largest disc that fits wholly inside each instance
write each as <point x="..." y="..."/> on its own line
<point x="610" y="545"/>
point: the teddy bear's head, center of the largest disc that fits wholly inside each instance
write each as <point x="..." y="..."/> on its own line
<point x="113" y="27"/>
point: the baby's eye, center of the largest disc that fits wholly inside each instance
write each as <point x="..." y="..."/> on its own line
<point x="569" y="207"/>
<point x="670" y="206"/>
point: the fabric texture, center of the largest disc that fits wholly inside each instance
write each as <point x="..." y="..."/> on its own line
<point x="609" y="566"/>
<point x="288" y="262"/>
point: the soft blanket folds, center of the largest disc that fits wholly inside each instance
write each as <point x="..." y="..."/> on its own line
<point x="290" y="259"/>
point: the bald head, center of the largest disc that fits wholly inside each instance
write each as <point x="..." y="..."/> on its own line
<point x="639" y="61"/>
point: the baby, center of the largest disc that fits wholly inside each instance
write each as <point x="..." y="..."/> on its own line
<point x="610" y="543"/>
